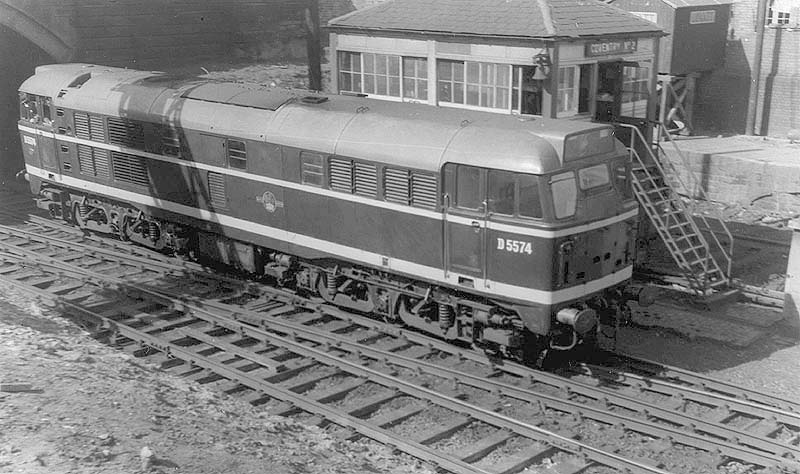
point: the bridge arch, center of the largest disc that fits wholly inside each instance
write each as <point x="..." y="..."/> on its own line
<point x="35" y="32"/>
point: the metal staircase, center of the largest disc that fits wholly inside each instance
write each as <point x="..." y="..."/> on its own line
<point x="669" y="201"/>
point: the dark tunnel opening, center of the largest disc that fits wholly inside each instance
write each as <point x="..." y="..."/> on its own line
<point x="18" y="59"/>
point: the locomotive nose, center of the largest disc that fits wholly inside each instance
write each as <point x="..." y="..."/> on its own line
<point x="582" y="320"/>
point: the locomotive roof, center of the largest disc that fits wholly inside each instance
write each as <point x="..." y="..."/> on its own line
<point x="412" y="135"/>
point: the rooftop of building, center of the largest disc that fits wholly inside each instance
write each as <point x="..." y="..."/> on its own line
<point x="543" y="19"/>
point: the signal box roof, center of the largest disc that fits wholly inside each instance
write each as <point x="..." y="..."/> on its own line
<point x="541" y="19"/>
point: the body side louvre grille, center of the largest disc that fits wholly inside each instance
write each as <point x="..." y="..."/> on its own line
<point x="125" y="132"/>
<point x="82" y="126"/>
<point x="395" y="185"/>
<point x="341" y="175"/>
<point x="423" y="190"/>
<point x="96" y="129"/>
<point x="216" y="190"/>
<point x="366" y="180"/>
<point x="130" y="169"/>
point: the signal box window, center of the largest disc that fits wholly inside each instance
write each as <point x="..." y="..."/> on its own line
<point x="468" y="187"/>
<point x="415" y="78"/>
<point x="237" y="154"/>
<point x="473" y="83"/>
<point x="635" y="91"/>
<point x="530" y="202"/>
<point x="312" y="168"/>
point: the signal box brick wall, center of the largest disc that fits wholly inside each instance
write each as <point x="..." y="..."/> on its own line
<point x="722" y="95"/>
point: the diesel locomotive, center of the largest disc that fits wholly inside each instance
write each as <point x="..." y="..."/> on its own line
<point x="516" y="234"/>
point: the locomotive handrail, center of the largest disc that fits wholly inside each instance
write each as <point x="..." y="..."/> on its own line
<point x="675" y="178"/>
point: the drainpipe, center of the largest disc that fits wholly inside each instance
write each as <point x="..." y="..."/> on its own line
<point x="755" y="71"/>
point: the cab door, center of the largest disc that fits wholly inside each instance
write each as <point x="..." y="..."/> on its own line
<point x="465" y="225"/>
<point x="36" y="132"/>
<point x="46" y="137"/>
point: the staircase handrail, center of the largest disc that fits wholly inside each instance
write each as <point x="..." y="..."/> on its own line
<point x="697" y="191"/>
<point x="675" y="177"/>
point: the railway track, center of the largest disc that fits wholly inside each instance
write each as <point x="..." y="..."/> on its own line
<point x="448" y="406"/>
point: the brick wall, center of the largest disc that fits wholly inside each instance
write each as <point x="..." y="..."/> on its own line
<point x="722" y="95"/>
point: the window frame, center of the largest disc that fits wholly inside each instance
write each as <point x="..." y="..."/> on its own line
<point x="231" y="151"/>
<point x="636" y="85"/>
<point x="566" y="91"/>
<point x="552" y="179"/>
<point x="307" y="168"/>
<point x="484" y="85"/>
<point x="777" y="18"/>
<point x="357" y="73"/>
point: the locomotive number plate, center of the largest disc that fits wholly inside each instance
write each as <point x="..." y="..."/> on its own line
<point x="514" y="246"/>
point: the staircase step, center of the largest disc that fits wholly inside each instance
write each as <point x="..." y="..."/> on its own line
<point x="679" y="225"/>
<point x="658" y="189"/>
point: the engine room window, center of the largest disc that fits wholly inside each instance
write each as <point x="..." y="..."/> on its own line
<point x="565" y="194"/>
<point x="312" y="168"/>
<point x="468" y="187"/>
<point x="593" y="177"/>
<point x="501" y="192"/>
<point x="530" y="202"/>
<point x="237" y="154"/>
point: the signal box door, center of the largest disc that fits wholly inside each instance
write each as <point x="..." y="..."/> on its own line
<point x="465" y="225"/>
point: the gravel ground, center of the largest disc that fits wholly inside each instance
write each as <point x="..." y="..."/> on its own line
<point x="92" y="409"/>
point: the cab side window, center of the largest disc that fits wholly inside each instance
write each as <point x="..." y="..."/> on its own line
<point x="468" y="188"/>
<point x="530" y="202"/>
<point x="502" y="192"/>
<point x="28" y="107"/>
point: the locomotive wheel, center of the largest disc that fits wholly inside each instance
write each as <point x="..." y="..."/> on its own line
<point x="123" y="228"/>
<point x="76" y="216"/>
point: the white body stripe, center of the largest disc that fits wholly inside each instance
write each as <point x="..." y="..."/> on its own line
<point x="496" y="289"/>
<point x="533" y="232"/>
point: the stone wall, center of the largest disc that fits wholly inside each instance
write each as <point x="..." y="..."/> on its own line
<point x="743" y="172"/>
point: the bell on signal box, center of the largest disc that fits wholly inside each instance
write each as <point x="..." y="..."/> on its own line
<point x="539" y="74"/>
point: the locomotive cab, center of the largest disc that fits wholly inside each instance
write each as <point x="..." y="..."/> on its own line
<point x="557" y="230"/>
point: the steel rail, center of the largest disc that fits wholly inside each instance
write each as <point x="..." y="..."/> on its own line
<point x="384" y="436"/>
<point x="481" y="414"/>
<point x="699" y="395"/>
<point x="651" y="411"/>
<point x="775" y="450"/>
<point x="708" y="383"/>
<point x="649" y="428"/>
<point x="709" y="428"/>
